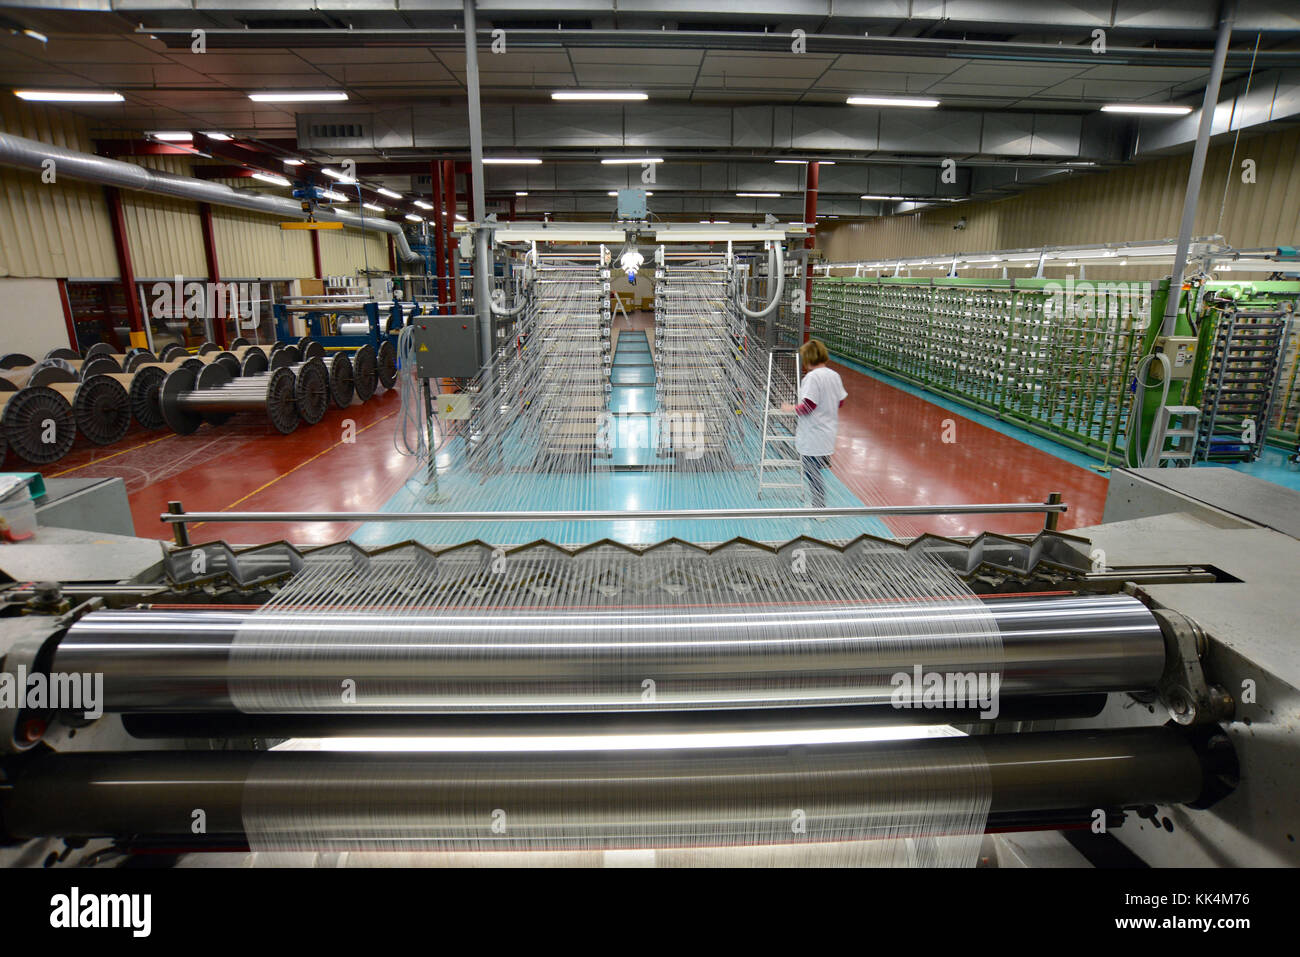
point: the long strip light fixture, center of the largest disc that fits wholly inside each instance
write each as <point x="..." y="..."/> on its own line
<point x="913" y="102"/>
<point x="68" y="96"/>
<point x="592" y="95"/>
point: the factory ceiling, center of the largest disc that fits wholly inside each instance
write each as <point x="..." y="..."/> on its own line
<point x="1020" y="84"/>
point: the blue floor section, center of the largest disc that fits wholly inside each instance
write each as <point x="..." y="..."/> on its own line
<point x="633" y="478"/>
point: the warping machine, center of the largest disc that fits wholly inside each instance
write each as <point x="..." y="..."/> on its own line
<point x="737" y="694"/>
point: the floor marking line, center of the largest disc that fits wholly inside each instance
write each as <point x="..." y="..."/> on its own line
<point x="114" y="455"/>
<point x="299" y="465"/>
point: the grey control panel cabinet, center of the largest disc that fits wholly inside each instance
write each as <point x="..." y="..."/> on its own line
<point x="446" y="347"/>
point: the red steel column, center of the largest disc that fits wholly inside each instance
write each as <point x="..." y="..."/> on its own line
<point x="392" y="256"/>
<point x="214" y="271"/>
<point x="124" y="268"/>
<point x="810" y="218"/>
<point x="315" y="253"/>
<point x="67" y="314"/>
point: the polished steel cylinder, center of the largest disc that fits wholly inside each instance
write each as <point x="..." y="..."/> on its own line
<point x="599" y="798"/>
<point x="660" y="658"/>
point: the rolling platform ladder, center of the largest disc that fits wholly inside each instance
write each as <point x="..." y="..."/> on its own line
<point x="1237" y="400"/>
<point x="1173" y="422"/>
<point x="779" y="464"/>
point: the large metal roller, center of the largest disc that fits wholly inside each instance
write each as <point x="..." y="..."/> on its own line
<point x="213" y="395"/>
<point x="605" y="799"/>
<point x="591" y="660"/>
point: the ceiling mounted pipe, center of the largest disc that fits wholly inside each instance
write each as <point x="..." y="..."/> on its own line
<point x="32" y="154"/>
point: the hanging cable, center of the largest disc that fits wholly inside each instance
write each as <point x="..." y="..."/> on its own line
<point x="776" y="266"/>
<point x="412" y="411"/>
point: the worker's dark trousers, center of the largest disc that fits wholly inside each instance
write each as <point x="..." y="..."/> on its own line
<point x="812" y="473"/>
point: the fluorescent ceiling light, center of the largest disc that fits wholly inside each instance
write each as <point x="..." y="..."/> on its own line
<point x="510" y="161"/>
<point x="387" y="192"/>
<point x="630" y="160"/>
<point x="614" y="192"/>
<point x="460" y="217"/>
<point x="36" y="35"/>
<point x="896" y="199"/>
<point x="67" y="96"/>
<point x="1146" y="108"/>
<point x="333" y="197"/>
<point x="299" y="97"/>
<point x="773" y="195"/>
<point x="585" y="95"/>
<point x="422" y="204"/>
<point x="343" y="178"/>
<point x="521" y="192"/>
<point x="292" y="162"/>
<point x="414" y="218"/>
<point x="271" y="178"/>
<point x="715" y="222"/>
<point x="372" y="206"/>
<point x="172" y="136"/>
<point x="805" y="162"/>
<point x="912" y="101"/>
<point x="219" y="137"/>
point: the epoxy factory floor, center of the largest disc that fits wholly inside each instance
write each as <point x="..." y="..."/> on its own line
<point x="891" y="450"/>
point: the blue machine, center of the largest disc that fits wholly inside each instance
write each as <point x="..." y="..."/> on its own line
<point x="376" y="336"/>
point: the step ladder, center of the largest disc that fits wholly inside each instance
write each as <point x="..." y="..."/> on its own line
<point x="779" y="463"/>
<point x="1178" y="422"/>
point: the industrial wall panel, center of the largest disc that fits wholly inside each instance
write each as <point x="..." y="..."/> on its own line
<point x="252" y="246"/>
<point x="165" y="234"/>
<point x="58" y="229"/>
<point x="344" y="251"/>
<point x="1140" y="202"/>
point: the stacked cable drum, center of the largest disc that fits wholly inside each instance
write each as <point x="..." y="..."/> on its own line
<point x="606" y="699"/>
<point x="288" y="384"/>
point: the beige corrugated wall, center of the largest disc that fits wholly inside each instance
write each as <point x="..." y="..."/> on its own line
<point x="250" y="247"/>
<point x="1144" y="201"/>
<point x="343" y="251"/>
<point x="63" y="230"/>
<point x="57" y="229"/>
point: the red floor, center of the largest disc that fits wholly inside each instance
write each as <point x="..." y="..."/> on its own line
<point x="244" y="466"/>
<point x="890" y="452"/>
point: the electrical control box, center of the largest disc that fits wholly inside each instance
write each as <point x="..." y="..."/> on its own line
<point x="631" y="204"/>
<point x="1181" y="352"/>
<point x="446" y="347"/>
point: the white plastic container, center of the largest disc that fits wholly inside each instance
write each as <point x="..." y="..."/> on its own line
<point x="18" y="516"/>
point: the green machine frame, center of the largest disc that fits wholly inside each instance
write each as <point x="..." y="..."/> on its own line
<point x="1056" y="358"/>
